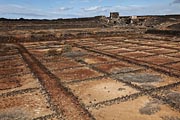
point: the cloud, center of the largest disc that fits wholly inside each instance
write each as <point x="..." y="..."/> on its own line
<point x="65" y="8"/>
<point x="176" y="2"/>
<point x="85" y="1"/>
<point x="17" y="8"/>
<point x="27" y="14"/>
<point x="18" y="11"/>
<point x="94" y="8"/>
<point x="97" y="9"/>
<point x="22" y="11"/>
<point x="71" y="11"/>
<point x="128" y="10"/>
<point x="75" y="1"/>
<point x="105" y="10"/>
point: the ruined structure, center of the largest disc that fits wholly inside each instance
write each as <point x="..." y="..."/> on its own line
<point x="114" y="15"/>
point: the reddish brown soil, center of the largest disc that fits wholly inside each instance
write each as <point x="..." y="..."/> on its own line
<point x="8" y="84"/>
<point x="110" y="73"/>
<point x="175" y="66"/>
<point x="119" y="50"/>
<point x="135" y="54"/>
<point x="76" y="74"/>
<point x="116" y="67"/>
<point x="159" y="60"/>
<point x="161" y="51"/>
<point x="59" y="96"/>
<point x="92" y="59"/>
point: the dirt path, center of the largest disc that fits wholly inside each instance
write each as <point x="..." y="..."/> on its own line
<point x="64" y="102"/>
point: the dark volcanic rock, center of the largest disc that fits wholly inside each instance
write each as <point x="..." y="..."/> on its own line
<point x="74" y="54"/>
<point x="170" y="118"/>
<point x="139" y="77"/>
<point x="150" y="108"/>
<point x="175" y="98"/>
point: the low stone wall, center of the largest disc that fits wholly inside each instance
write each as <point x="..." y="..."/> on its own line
<point x="164" y="32"/>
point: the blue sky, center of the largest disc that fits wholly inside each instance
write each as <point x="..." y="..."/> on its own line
<point x="52" y="9"/>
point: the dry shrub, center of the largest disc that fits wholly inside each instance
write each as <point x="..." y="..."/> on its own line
<point x="56" y="52"/>
<point x="1" y="48"/>
<point x="5" y="48"/>
<point x="53" y="52"/>
<point x="66" y="48"/>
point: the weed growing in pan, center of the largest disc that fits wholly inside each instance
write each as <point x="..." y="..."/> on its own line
<point x="56" y="52"/>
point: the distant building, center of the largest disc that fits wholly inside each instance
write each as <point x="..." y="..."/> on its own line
<point x="134" y="20"/>
<point x="134" y="17"/>
<point x="114" y="15"/>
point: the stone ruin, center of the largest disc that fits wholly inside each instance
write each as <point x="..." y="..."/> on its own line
<point x="116" y="19"/>
<point x="114" y="15"/>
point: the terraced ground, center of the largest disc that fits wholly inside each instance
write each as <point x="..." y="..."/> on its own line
<point x="132" y="77"/>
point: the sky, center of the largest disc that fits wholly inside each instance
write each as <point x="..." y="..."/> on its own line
<point x="53" y="9"/>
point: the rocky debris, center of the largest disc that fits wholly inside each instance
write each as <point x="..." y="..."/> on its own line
<point x="151" y="108"/>
<point x="170" y="118"/>
<point x="65" y="50"/>
<point x="174" y="26"/>
<point x="163" y="32"/>
<point x="114" y="15"/>
<point x="53" y="52"/>
<point x="73" y="54"/>
<point x="13" y="114"/>
<point x="145" y="86"/>
<point x="174" y="97"/>
<point x="139" y="77"/>
<point x="121" y="89"/>
<point x="6" y="47"/>
<point x="123" y="70"/>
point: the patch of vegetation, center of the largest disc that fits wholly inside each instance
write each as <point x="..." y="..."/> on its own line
<point x="66" y="48"/>
<point x="5" y="47"/>
<point x="53" y="52"/>
<point x="56" y="52"/>
<point x="99" y="38"/>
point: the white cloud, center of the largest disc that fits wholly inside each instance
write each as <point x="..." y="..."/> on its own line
<point x="85" y="1"/>
<point x="27" y="11"/>
<point x="28" y="14"/>
<point x="176" y="1"/>
<point x="105" y="10"/>
<point x="65" y="8"/>
<point x="97" y="9"/>
<point x="18" y="10"/>
<point x="162" y="9"/>
<point x="94" y="8"/>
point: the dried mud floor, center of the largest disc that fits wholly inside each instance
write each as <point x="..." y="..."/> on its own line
<point x="112" y="78"/>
